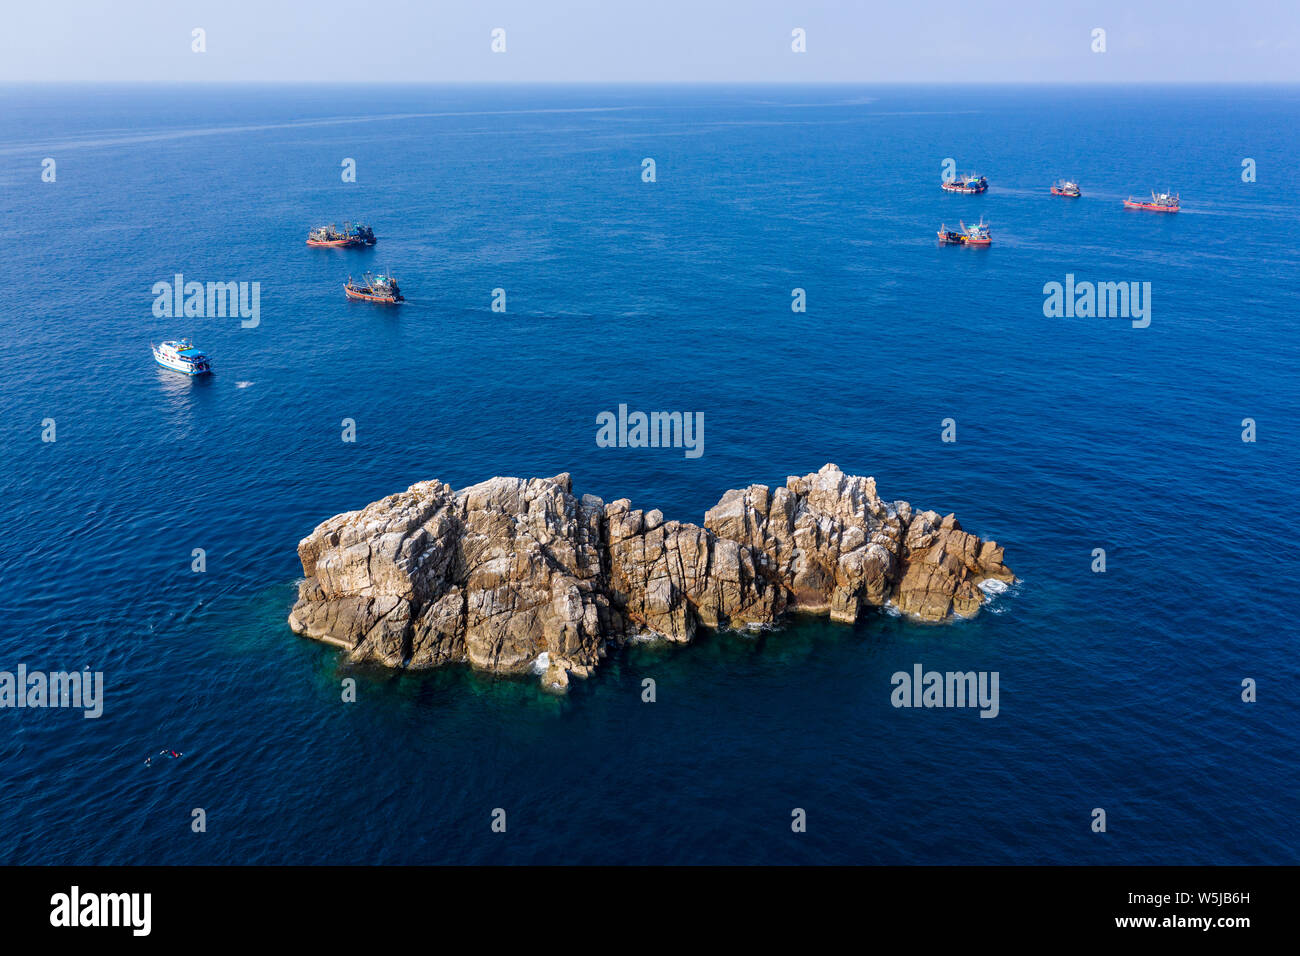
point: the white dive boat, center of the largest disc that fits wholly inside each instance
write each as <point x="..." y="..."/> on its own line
<point x="181" y="356"/>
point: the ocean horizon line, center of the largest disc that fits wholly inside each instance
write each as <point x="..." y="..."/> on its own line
<point x="680" y="84"/>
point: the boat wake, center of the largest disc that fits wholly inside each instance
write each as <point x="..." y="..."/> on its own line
<point x="132" y="139"/>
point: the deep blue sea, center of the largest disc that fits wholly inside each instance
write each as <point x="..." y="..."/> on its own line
<point x="1119" y="690"/>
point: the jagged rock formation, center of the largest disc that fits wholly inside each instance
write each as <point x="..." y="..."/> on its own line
<point x="513" y="573"/>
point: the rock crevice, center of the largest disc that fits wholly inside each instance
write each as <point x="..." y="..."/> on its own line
<point x="516" y="574"/>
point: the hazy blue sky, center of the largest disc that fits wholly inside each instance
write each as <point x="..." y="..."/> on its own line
<point x="654" y="40"/>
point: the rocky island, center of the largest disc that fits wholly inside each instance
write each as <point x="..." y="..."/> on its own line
<point x="515" y="574"/>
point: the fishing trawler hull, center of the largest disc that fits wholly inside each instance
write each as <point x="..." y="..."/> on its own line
<point x="363" y="296"/>
<point x="1068" y="195"/>
<point x="1149" y="206"/>
<point x="957" y="239"/>
<point x="335" y="243"/>
<point x="965" y="190"/>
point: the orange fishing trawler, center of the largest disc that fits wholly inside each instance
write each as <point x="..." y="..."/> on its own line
<point x="375" y="289"/>
<point x="1160" y="202"/>
<point x="1066" y="187"/>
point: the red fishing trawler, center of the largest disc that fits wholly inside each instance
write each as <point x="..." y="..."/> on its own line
<point x="1160" y="202"/>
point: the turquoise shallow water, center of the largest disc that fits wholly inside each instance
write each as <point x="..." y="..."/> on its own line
<point x="1118" y="691"/>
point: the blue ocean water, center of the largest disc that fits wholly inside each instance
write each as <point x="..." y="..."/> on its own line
<point x="1118" y="690"/>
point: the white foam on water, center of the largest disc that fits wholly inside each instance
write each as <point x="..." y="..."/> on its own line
<point x="242" y="384"/>
<point x="994" y="589"/>
<point x="542" y="663"/>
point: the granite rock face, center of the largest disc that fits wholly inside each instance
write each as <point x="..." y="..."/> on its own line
<point x="513" y="574"/>
<point x="838" y="548"/>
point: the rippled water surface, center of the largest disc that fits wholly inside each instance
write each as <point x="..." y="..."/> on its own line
<point x="1118" y="690"/>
